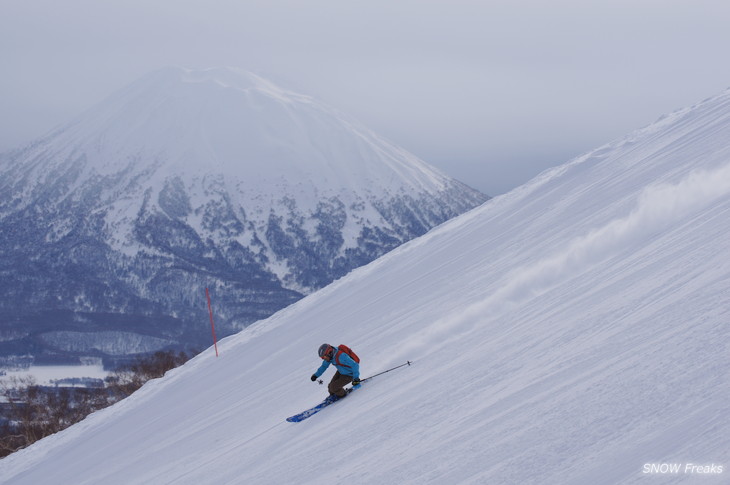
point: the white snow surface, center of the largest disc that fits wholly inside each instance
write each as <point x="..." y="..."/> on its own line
<point x="568" y="332"/>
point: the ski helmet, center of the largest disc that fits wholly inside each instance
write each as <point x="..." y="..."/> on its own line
<point x="325" y="351"/>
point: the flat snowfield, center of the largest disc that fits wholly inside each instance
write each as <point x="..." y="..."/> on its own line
<point x="573" y="331"/>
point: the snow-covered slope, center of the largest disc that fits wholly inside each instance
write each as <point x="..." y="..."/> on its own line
<point x="568" y="332"/>
<point x="189" y="179"/>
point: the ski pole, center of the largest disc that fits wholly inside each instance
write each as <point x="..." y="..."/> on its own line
<point x="408" y="362"/>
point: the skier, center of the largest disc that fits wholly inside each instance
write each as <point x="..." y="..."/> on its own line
<point x="347" y="364"/>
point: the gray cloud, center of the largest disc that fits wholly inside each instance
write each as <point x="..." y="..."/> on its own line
<point x="491" y="92"/>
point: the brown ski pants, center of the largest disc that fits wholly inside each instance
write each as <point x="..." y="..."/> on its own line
<point x="338" y="383"/>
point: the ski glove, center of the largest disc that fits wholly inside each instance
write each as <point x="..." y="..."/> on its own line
<point x="356" y="382"/>
<point x="314" y="377"/>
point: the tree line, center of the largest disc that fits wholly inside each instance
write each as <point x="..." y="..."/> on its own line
<point x="31" y="411"/>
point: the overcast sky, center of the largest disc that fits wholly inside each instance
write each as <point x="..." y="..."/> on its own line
<point x="491" y="92"/>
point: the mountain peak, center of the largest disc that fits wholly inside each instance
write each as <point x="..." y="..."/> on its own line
<point x="230" y="122"/>
<point x="225" y="77"/>
<point x="188" y="179"/>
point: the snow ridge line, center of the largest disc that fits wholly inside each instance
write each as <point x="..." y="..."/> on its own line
<point x="658" y="208"/>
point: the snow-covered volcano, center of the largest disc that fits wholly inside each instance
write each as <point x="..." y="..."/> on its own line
<point x="573" y="331"/>
<point x="189" y="179"/>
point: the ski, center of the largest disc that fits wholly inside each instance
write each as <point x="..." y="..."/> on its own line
<point x="311" y="411"/>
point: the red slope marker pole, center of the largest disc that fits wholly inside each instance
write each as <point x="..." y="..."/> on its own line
<point x="212" y="325"/>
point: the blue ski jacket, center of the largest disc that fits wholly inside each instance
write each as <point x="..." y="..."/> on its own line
<point x="344" y="364"/>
